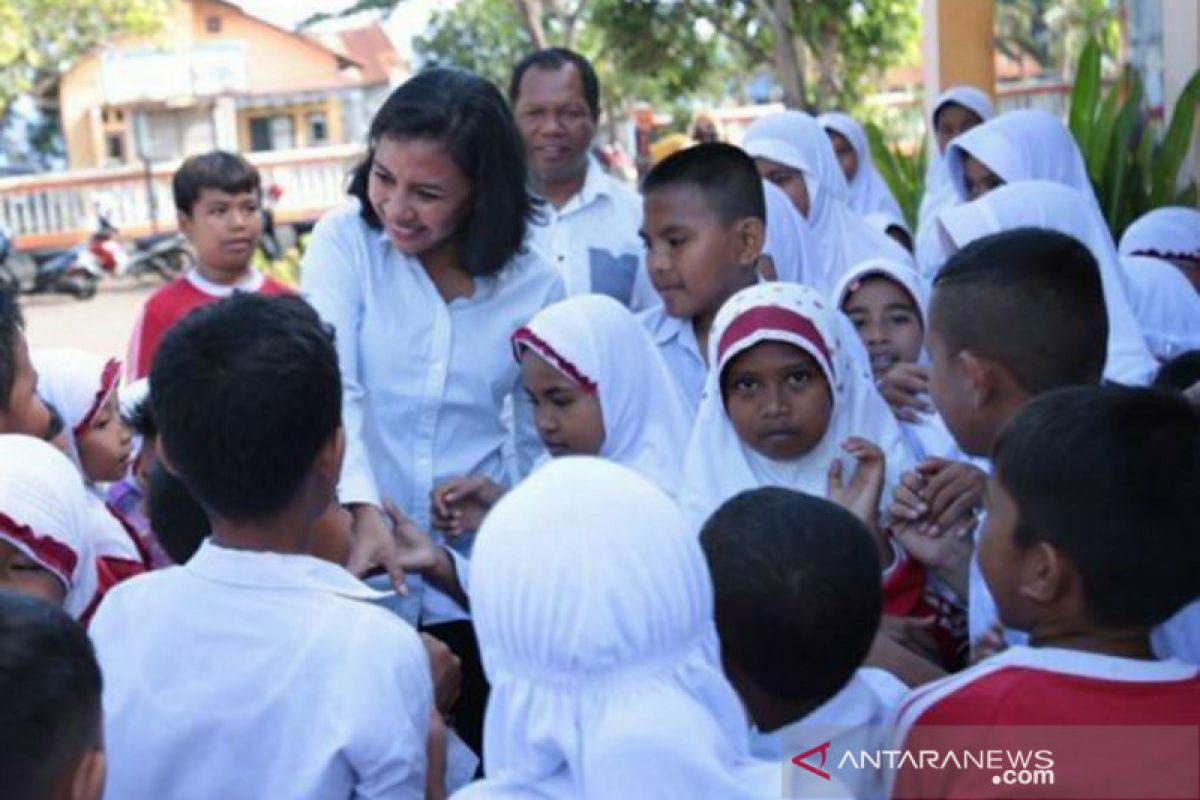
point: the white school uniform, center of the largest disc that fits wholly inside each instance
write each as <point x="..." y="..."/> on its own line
<point x="593" y="239"/>
<point x="680" y="351"/>
<point x="841" y="237"/>
<point x="599" y="345"/>
<point x="868" y="192"/>
<point x="424" y="382"/>
<point x="1165" y="304"/>
<point x="255" y="674"/>
<point x="1056" y="207"/>
<point x="789" y="240"/>
<point x="939" y="191"/>
<point x="44" y="514"/>
<point x="1170" y="232"/>
<point x="594" y="611"/>
<point x="719" y="465"/>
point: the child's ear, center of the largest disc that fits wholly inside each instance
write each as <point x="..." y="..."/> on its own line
<point x="978" y="377"/>
<point x="329" y="457"/>
<point x="751" y="235"/>
<point x="1045" y="575"/>
<point x="88" y="781"/>
<point x="184" y="221"/>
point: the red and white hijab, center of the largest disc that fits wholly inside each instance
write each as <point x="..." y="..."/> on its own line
<point x="44" y="514"/>
<point x="719" y="465"/>
<point x="599" y="345"/>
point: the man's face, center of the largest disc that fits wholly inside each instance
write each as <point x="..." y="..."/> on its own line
<point x="555" y="122"/>
<point x="25" y="412"/>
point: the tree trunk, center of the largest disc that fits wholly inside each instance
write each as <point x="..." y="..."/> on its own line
<point x="789" y="68"/>
<point x="531" y="16"/>
<point x="827" y="79"/>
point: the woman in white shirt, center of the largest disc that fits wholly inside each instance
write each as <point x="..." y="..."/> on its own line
<point x="424" y="279"/>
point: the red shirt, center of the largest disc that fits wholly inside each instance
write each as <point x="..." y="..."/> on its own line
<point x="175" y="301"/>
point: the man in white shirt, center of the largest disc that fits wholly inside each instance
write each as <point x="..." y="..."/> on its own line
<point x="257" y="670"/>
<point x="588" y="227"/>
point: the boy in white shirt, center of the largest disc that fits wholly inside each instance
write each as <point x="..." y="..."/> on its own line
<point x="257" y="670"/>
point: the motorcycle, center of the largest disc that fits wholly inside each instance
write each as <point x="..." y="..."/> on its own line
<point x="164" y="255"/>
<point x="21" y="272"/>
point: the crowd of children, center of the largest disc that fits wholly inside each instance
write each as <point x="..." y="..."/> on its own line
<point x="472" y="515"/>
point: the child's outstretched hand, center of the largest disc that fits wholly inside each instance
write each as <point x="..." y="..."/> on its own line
<point x="416" y="552"/>
<point x="459" y="505"/>
<point x="905" y="387"/>
<point x="952" y="491"/>
<point x="861" y="495"/>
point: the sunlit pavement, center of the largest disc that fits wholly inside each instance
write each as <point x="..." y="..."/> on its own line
<point x="102" y="324"/>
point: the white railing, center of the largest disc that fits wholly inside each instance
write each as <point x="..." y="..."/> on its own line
<point x="58" y="209"/>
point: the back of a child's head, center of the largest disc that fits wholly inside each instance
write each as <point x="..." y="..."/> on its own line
<point x="1180" y="373"/>
<point x="797" y="593"/>
<point x="246" y="394"/>
<point x="723" y="174"/>
<point x="220" y="170"/>
<point x="50" y="716"/>
<point x="11" y="325"/>
<point x="178" y="521"/>
<point x="1030" y="299"/>
<point x="1108" y="476"/>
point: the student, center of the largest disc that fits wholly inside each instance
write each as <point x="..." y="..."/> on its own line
<point x="1013" y="315"/>
<point x="595" y="617"/>
<point x="887" y="302"/>
<point x="1053" y="206"/>
<point x="1089" y="543"/>
<point x="127" y="496"/>
<point x="792" y="151"/>
<point x="788" y="246"/>
<point x="1171" y="233"/>
<point x="867" y="192"/>
<point x="588" y="227"/>
<point x="1166" y="306"/>
<point x="598" y="387"/>
<point x="955" y="111"/>
<point x="243" y="656"/>
<point x="788" y="398"/>
<point x="45" y="543"/>
<point x="84" y="388"/>
<point x="21" y="409"/>
<point x="217" y="203"/>
<point x="704" y="231"/>
<point x="789" y="567"/>
<point x="51" y="724"/>
<point x="894" y="227"/>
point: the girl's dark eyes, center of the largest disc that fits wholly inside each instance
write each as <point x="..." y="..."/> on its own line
<point x="800" y="376"/>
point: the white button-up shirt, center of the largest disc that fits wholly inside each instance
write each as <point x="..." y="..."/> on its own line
<point x="593" y="239"/>
<point x="676" y="340"/>
<point x="253" y="674"/>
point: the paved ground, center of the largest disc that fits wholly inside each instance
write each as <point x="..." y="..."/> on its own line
<point x="102" y="324"/>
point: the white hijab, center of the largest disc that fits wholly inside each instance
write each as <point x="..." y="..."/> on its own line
<point x="719" y="465"/>
<point x="939" y="192"/>
<point x="1167" y="232"/>
<point x="594" y="610"/>
<point x="43" y="513"/>
<point x="840" y="236"/>
<point x="78" y="383"/>
<point x="1053" y="206"/>
<point x="1166" y="305"/>
<point x="868" y="191"/>
<point x="930" y="436"/>
<point x="599" y="345"/>
<point x="789" y="240"/>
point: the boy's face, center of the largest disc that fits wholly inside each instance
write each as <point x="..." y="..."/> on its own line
<point x="695" y="261"/>
<point x="25" y="412"/>
<point x="789" y="179"/>
<point x="777" y="399"/>
<point x="106" y="447"/>
<point x="20" y="573"/>
<point x="569" y="420"/>
<point x="224" y="229"/>
<point x="886" y="318"/>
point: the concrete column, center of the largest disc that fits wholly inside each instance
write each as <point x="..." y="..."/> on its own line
<point x="958" y="45"/>
<point x="1181" y="56"/>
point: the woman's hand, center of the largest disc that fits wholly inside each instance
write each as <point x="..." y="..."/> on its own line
<point x="459" y="505"/>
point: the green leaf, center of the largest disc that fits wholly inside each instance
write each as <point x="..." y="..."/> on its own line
<point x="1175" y="144"/>
<point x="1085" y="93"/>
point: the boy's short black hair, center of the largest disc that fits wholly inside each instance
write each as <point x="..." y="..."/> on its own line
<point x="722" y="173"/>
<point x="246" y="391"/>
<point x="797" y="593"/>
<point x="468" y="115"/>
<point x="178" y="521"/>
<point x="221" y="170"/>
<point x="11" y="326"/>
<point x="1108" y="475"/>
<point x="1180" y="373"/>
<point x="50" y="682"/>
<point x="554" y="59"/>
<point x="1030" y="299"/>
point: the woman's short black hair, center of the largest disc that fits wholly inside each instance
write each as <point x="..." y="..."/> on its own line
<point x="469" y="116"/>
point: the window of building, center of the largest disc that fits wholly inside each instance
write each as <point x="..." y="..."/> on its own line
<point x="212" y="24"/>
<point x="272" y="133"/>
<point x="114" y="147"/>
<point x="318" y="128"/>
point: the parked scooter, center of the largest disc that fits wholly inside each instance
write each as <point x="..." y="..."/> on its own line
<point x="164" y="255"/>
<point x="62" y="273"/>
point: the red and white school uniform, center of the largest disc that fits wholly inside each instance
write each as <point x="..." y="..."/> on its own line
<point x="175" y="301"/>
<point x="1078" y="693"/>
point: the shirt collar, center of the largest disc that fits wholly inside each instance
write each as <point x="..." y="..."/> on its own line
<point x="251" y="283"/>
<point x="596" y="184"/>
<point x="1094" y="665"/>
<point x="261" y="569"/>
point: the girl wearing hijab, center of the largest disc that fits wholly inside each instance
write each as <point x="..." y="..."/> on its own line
<point x="1165" y="304"/>
<point x="1171" y="233"/>
<point x="1055" y="206"/>
<point x="792" y="151"/>
<point x="868" y="192"/>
